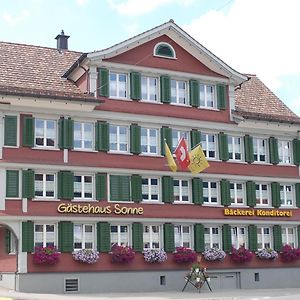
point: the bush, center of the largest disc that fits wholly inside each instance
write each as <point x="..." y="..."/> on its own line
<point x="184" y="255"/>
<point x="46" y="255"/>
<point x="121" y="254"/>
<point x="266" y="253"/>
<point x="88" y="256"/>
<point x="214" y="254"/>
<point x="155" y="255"/>
<point x="241" y="254"/>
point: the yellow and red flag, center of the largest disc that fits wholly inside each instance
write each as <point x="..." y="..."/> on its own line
<point x="182" y="154"/>
<point x="198" y="161"/>
<point x="171" y="162"/>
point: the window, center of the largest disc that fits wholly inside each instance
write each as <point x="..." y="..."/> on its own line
<point x="237" y="194"/>
<point x="164" y="50"/>
<point x="208" y="144"/>
<point x="119" y="234"/>
<point x="210" y="192"/>
<point x="235" y="147"/>
<point x="289" y="236"/>
<point x="151" y="237"/>
<point x="183" y="236"/>
<point x="44" y="185"/>
<point x="118" y="138"/>
<point x="264" y="238"/>
<point x="44" y="235"/>
<point x="45" y="133"/>
<point x="260" y="150"/>
<point x="83" y="186"/>
<point x="83" y="135"/>
<point x="181" y="190"/>
<point x="118" y="85"/>
<point x="150" y="189"/>
<point x="284" y="151"/>
<point x="286" y="195"/>
<point x="238" y="236"/>
<point x="212" y="237"/>
<point x="207" y="95"/>
<point x="177" y="135"/>
<point x="262" y="194"/>
<point x="149" y="140"/>
<point x="149" y="88"/>
<point x="178" y="92"/>
<point x="84" y="236"/>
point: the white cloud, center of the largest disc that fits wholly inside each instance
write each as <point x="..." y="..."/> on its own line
<point x="81" y="2"/>
<point x="14" y="20"/>
<point x="132" y="29"/>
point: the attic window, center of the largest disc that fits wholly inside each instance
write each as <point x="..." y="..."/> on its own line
<point x="164" y="50"/>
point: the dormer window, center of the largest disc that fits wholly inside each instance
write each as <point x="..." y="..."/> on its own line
<point x="164" y="50"/>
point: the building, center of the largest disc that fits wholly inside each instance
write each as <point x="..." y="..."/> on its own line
<point x="82" y="165"/>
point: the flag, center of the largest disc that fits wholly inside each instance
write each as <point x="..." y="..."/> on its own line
<point x="171" y="162"/>
<point x="182" y="154"/>
<point x="198" y="161"/>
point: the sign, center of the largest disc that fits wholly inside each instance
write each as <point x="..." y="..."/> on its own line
<point x="257" y="212"/>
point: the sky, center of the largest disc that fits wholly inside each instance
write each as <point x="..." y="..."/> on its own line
<point x="258" y="37"/>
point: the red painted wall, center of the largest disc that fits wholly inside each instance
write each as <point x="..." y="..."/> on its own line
<point x="8" y="262"/>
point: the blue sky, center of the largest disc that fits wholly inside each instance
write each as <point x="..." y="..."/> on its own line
<point x="252" y="36"/>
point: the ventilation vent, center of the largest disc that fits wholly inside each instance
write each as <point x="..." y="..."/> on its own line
<point x="71" y="285"/>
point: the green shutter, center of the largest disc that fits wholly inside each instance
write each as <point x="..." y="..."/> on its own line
<point x="298" y="235"/>
<point x="28" y="184"/>
<point x="249" y="153"/>
<point x="252" y="237"/>
<point x="165" y="89"/>
<point x="199" y="237"/>
<point x="251" y="193"/>
<point x="169" y="243"/>
<point x="7" y="240"/>
<point x="103" y="237"/>
<point x="135" y="86"/>
<point x="296" y="151"/>
<point x="223" y="146"/>
<point x="194" y="93"/>
<point x="103" y="82"/>
<point x="221" y="96"/>
<point x="65" y="185"/>
<point x="135" y="139"/>
<point x="197" y="189"/>
<point x="277" y="235"/>
<point x="226" y="236"/>
<point x="273" y="148"/>
<point x="101" y="187"/>
<point x="225" y="192"/>
<point x="166" y="135"/>
<point x="275" y="191"/>
<point x="195" y="138"/>
<point x="136" y="188"/>
<point x="297" y="192"/>
<point x="27" y="236"/>
<point x="102" y="136"/>
<point x="167" y="189"/>
<point x="66" y="133"/>
<point x="119" y="188"/>
<point x="10" y="130"/>
<point x="65" y="236"/>
<point x="28" y="131"/>
<point x="12" y="183"/>
<point x="137" y="237"/>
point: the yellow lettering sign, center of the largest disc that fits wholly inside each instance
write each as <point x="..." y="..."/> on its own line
<point x="257" y="212"/>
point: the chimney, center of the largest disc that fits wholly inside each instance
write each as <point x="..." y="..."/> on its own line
<point x="62" y="41"/>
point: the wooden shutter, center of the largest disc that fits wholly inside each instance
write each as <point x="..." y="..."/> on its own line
<point x="10" y="130"/>
<point x="296" y="151"/>
<point x="199" y="237"/>
<point x="28" y="184"/>
<point x="101" y="186"/>
<point x="66" y="133"/>
<point x="136" y="188"/>
<point x="223" y="146"/>
<point x="226" y="236"/>
<point x="65" y="184"/>
<point x="275" y="191"/>
<point x="298" y="235"/>
<point x="12" y="183"/>
<point x="277" y="235"/>
<point x="166" y="135"/>
<point x="167" y="189"/>
<point x="28" y="131"/>
<point x="252" y="237"/>
<point x="27" y="236"/>
<point x="273" y="149"/>
<point x="137" y="237"/>
<point x="165" y="89"/>
<point x="119" y="188"/>
<point x="195" y="138"/>
<point x="135" y="139"/>
<point x="251" y="193"/>
<point x="102" y="136"/>
<point x="103" y="82"/>
<point x="297" y="192"/>
<point x="7" y="240"/>
<point x="65" y="236"/>
<point x="197" y="190"/>
<point x="103" y="237"/>
<point x="169" y="243"/>
<point x="194" y="93"/>
<point x="135" y="85"/>
<point x="249" y="153"/>
<point x="221" y="96"/>
<point x="225" y="192"/>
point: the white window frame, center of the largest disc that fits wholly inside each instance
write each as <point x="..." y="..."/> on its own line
<point x="118" y="88"/>
<point x="177" y="97"/>
<point x="285" y="157"/>
<point x="119" y="235"/>
<point x="180" y="236"/>
<point x="239" y="239"/>
<point x="234" y="144"/>
<point x="45" y="135"/>
<point x="180" y="193"/>
<point x="44" y="183"/>
<point x="150" y="237"/>
<point x="150" y="189"/>
<point x="148" y="143"/>
<point x="209" y="237"/>
<point x="205" y="143"/>
<point x="177" y="134"/>
<point x="83" y="186"/>
<point x="260" y="203"/>
<point x="205" y="92"/>
<point x="209" y="192"/>
<point x="148" y="89"/>
<point x="83" y="138"/>
<point x="118" y="143"/>
<point x="286" y="237"/>
<point x="284" y="200"/>
<point x="259" y="150"/>
<point x="83" y="239"/>
<point x="234" y="195"/>
<point x="44" y="234"/>
<point x="164" y="56"/>
<point x="263" y="238"/>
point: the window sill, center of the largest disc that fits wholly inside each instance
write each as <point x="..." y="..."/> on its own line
<point x="150" y="154"/>
<point x="180" y="202"/>
<point x="84" y="200"/>
<point x="120" y="98"/>
<point x="150" y="101"/>
<point x="180" y="104"/>
<point x="237" y="161"/>
<point x="47" y="148"/>
<point x="209" y="108"/>
<point x="151" y="202"/>
<point x="119" y="152"/>
<point x="45" y="200"/>
<point x="212" y="205"/>
<point x="84" y="150"/>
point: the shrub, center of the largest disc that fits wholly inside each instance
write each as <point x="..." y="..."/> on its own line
<point x="121" y="254"/>
<point x="87" y="256"/>
<point x="214" y="254"/>
<point x="241" y="254"/>
<point x="155" y="255"/>
<point x="288" y="253"/>
<point x="266" y="253"/>
<point x="184" y="255"/>
<point x="46" y="255"/>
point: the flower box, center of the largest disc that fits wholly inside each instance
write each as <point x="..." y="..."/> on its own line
<point x="184" y="255"/>
<point x="121" y="254"/>
<point x="289" y="253"/>
<point x="241" y="255"/>
<point x="87" y="256"/>
<point x="155" y="255"/>
<point x="46" y="255"/>
<point x="214" y="254"/>
<point x="267" y="253"/>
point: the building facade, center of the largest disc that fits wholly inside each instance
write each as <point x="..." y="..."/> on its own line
<point x="83" y="165"/>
